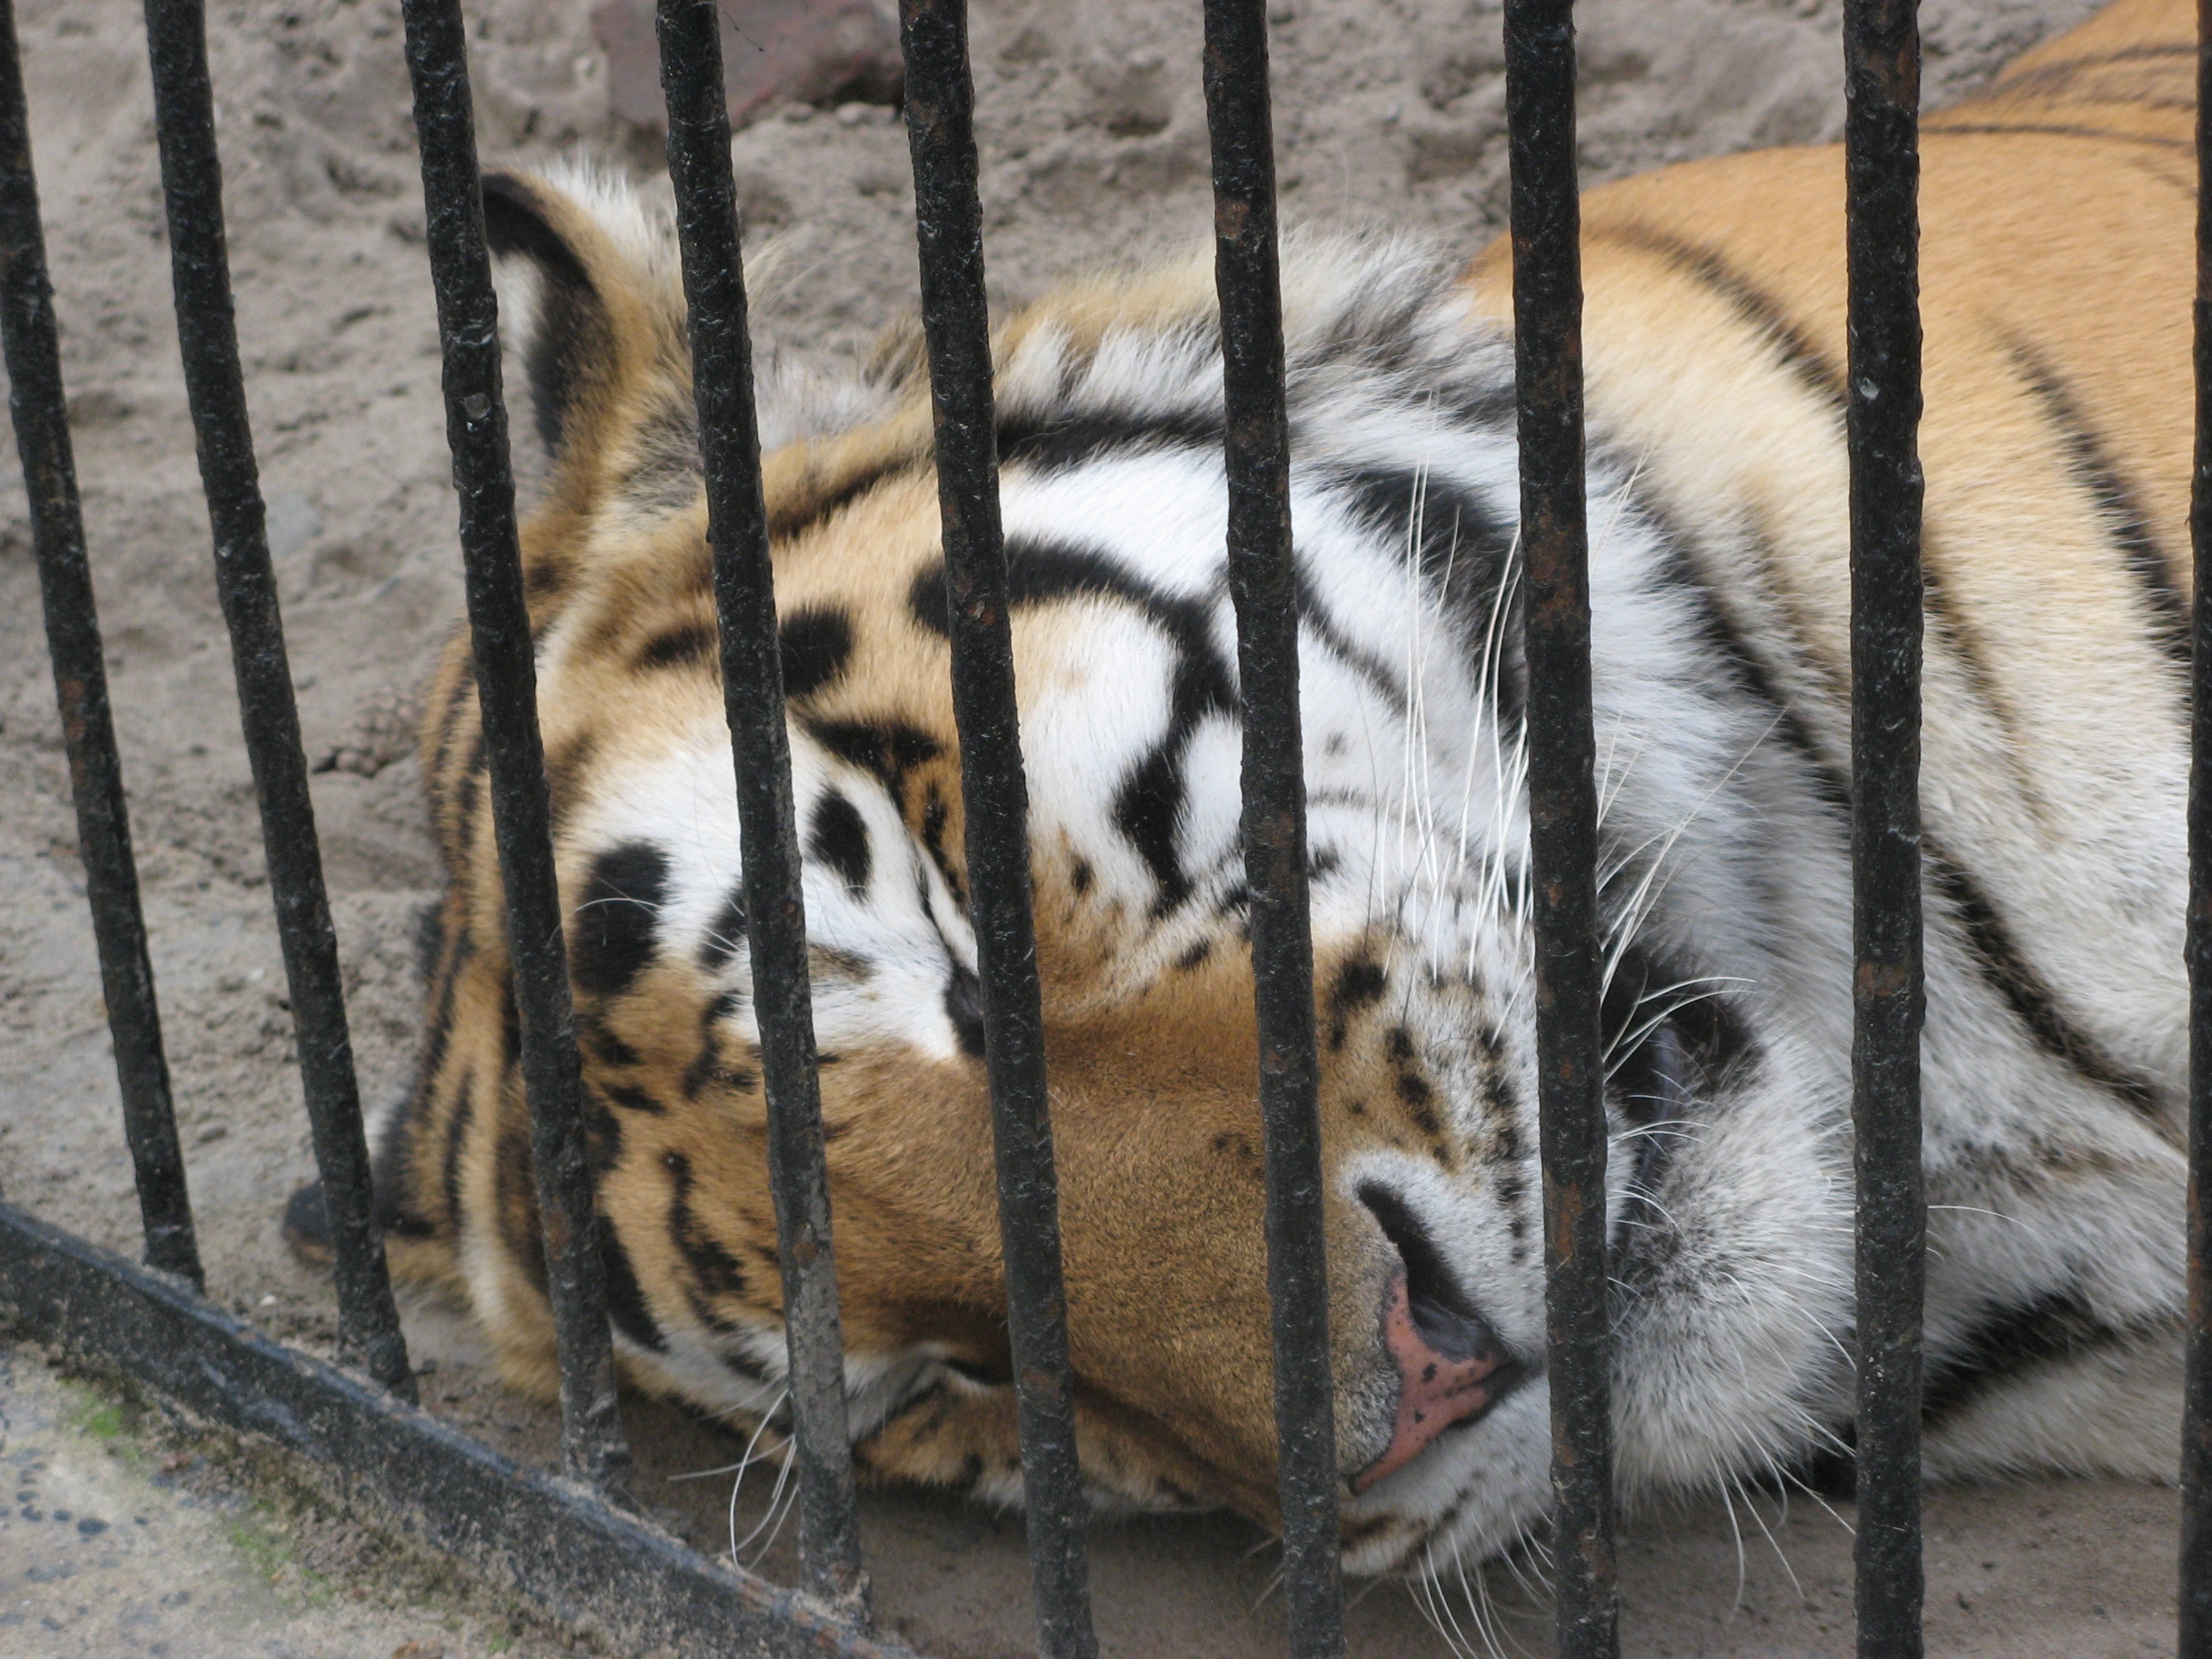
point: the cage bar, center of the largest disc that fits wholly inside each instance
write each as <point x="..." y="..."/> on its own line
<point x="214" y="387"/>
<point x="1263" y="587"/>
<point x="2196" y="1611"/>
<point x="1881" y="68"/>
<point x="592" y="1448"/>
<point x="753" y="691"/>
<point x="38" y="409"/>
<point x="1547" y="308"/>
<point x="940" y="97"/>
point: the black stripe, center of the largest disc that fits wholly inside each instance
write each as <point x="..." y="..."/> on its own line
<point x="715" y="1273"/>
<point x="2057" y="1326"/>
<point x="890" y="750"/>
<point x="816" y="644"/>
<point x="571" y="337"/>
<point x="468" y="795"/>
<point x="458" y="1123"/>
<point x="1458" y="543"/>
<point x="631" y="1098"/>
<point x="449" y="717"/>
<point x="1759" y="310"/>
<point x="1315" y="617"/>
<point x="1997" y="957"/>
<point x="786" y="519"/>
<point x="725" y="934"/>
<point x="2125" y="522"/>
<point x="2010" y="974"/>
<point x="393" y="1179"/>
<point x="687" y="645"/>
<point x="2054" y="80"/>
<point x="838" y="836"/>
<point x="626" y="1302"/>
<point x="514" y="1207"/>
<point x="707" y="1066"/>
<point x="616" y="930"/>
<point x="1148" y="807"/>
<point x="1747" y="671"/>
<point x="2054" y="130"/>
<point x="1060" y="443"/>
<point x="1946" y="621"/>
<point x="2124" y="54"/>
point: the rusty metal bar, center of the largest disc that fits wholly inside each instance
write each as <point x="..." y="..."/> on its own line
<point x="214" y="387"/>
<point x="1263" y="586"/>
<point x="753" y="691"/>
<point x="1547" y="306"/>
<point x="40" y="411"/>
<point x="592" y="1448"/>
<point x="940" y="97"/>
<point x="2195" y="1620"/>
<point x="1881" y="67"/>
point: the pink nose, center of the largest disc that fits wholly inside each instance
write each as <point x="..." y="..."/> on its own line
<point x="1435" y="1389"/>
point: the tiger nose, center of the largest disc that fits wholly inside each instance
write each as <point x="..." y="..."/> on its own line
<point x="1450" y="1367"/>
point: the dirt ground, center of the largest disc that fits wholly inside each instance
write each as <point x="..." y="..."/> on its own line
<point x="1093" y="143"/>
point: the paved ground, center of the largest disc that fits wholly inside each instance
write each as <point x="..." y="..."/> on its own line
<point x="117" y="1541"/>
<point x="120" y="1537"/>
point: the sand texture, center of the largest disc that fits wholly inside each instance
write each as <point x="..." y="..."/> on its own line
<point x="1093" y="150"/>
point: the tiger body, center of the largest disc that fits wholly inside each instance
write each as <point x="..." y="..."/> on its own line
<point x="2056" y="279"/>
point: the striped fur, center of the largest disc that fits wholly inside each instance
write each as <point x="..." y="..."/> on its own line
<point x="2056" y="279"/>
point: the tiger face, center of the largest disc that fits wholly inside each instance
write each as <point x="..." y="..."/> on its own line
<point x="1717" y="547"/>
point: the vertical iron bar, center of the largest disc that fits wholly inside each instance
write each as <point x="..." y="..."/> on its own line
<point x="1263" y="586"/>
<point x="1548" y="309"/>
<point x="592" y="1448"/>
<point x="956" y="321"/>
<point x="1881" y="71"/>
<point x="752" y="692"/>
<point x="80" y="687"/>
<point x="36" y="403"/>
<point x="2195" y="1622"/>
<point x="192" y="185"/>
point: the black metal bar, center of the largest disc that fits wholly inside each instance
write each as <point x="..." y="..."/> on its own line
<point x="1881" y="71"/>
<point x="956" y="321"/>
<point x="36" y="403"/>
<point x="2195" y="1620"/>
<point x="192" y="184"/>
<point x="753" y="691"/>
<point x="592" y="1444"/>
<point x="579" y="1558"/>
<point x="1263" y="586"/>
<point x="1548" y="312"/>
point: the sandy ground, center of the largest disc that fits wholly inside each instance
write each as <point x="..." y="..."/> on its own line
<point x="1093" y="151"/>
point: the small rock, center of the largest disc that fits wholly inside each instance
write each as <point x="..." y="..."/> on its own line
<point x="774" y="51"/>
<point x="98" y="406"/>
<point x="91" y="1528"/>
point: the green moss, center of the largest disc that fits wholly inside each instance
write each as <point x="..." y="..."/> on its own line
<point x="103" y="1422"/>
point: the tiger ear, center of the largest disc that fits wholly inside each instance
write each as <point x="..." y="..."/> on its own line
<point x="591" y="304"/>
<point x="551" y="309"/>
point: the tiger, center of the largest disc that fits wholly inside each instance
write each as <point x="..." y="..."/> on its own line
<point x="2055" y="281"/>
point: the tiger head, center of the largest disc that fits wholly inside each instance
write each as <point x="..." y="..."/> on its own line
<point x="1109" y="412"/>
